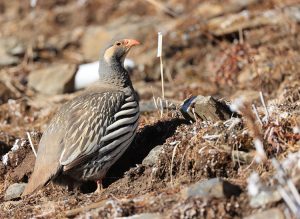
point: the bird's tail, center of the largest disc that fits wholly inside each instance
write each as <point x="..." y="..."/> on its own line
<point x="39" y="178"/>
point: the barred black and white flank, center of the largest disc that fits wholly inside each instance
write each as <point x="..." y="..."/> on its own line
<point x="90" y="133"/>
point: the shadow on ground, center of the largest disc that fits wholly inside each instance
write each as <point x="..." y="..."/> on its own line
<point x="147" y="138"/>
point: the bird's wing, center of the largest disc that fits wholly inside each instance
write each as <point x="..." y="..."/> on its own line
<point x="47" y="164"/>
<point x="73" y="134"/>
<point x="87" y="120"/>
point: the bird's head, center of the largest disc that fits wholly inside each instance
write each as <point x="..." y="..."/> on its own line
<point x="119" y="50"/>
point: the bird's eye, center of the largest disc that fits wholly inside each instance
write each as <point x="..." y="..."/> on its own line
<point x="119" y="44"/>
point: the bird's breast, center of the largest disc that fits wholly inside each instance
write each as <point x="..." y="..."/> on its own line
<point x="117" y="138"/>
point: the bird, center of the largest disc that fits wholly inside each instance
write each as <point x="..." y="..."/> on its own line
<point x="89" y="133"/>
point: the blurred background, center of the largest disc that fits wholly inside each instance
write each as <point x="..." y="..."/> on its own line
<point x="224" y="48"/>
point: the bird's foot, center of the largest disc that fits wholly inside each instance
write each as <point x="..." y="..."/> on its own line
<point x="99" y="187"/>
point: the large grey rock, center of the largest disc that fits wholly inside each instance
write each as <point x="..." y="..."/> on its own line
<point x="215" y="187"/>
<point x="153" y="156"/>
<point x="274" y="213"/>
<point x="14" y="191"/>
<point x="56" y="79"/>
<point x="205" y="108"/>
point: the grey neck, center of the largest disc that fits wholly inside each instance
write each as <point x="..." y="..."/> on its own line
<point x="114" y="73"/>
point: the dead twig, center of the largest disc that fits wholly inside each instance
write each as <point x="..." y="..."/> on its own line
<point x="172" y="161"/>
<point x="159" y="54"/>
<point x="30" y="142"/>
<point x="264" y="105"/>
<point x="256" y="114"/>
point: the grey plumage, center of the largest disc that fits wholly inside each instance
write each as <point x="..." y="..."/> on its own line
<point x="90" y="132"/>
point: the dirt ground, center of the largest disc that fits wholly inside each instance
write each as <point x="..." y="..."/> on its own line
<point x="227" y="49"/>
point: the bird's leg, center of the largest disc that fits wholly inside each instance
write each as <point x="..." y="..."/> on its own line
<point x="99" y="186"/>
<point x="70" y="187"/>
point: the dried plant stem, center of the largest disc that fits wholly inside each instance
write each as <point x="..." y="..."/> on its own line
<point x="287" y="199"/>
<point x="264" y="104"/>
<point x="172" y="161"/>
<point x="289" y="193"/>
<point x="237" y="155"/>
<point x="155" y="103"/>
<point x="30" y="142"/>
<point x="241" y="36"/>
<point x="294" y="191"/>
<point x="256" y="114"/>
<point x="161" y="107"/>
<point x="159" y="54"/>
<point x="162" y="78"/>
<point x="194" y="114"/>
<point x="252" y="162"/>
<point x="154" y="99"/>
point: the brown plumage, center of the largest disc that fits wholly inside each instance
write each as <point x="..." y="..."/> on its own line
<point x="90" y="132"/>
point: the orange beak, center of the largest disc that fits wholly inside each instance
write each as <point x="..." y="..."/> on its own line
<point x="131" y="42"/>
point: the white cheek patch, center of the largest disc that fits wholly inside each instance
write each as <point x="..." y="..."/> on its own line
<point x="108" y="54"/>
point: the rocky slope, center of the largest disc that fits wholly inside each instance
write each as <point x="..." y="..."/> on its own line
<point x="243" y="52"/>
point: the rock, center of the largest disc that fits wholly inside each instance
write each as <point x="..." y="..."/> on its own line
<point x="94" y="40"/>
<point x="147" y="91"/>
<point x="233" y="23"/>
<point x="215" y="187"/>
<point x="249" y="95"/>
<point x="258" y="36"/>
<point x="144" y="216"/>
<point x="149" y="105"/>
<point x="264" y="197"/>
<point x="274" y="213"/>
<point x="14" y="191"/>
<point x="206" y="108"/>
<point x="61" y="41"/>
<point x="211" y="9"/>
<point x="24" y="168"/>
<point x="293" y="13"/>
<point x="7" y="47"/>
<point x="244" y="20"/>
<point x="153" y="156"/>
<point x="17" y="50"/>
<point x="97" y="38"/>
<point x="56" y="79"/>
